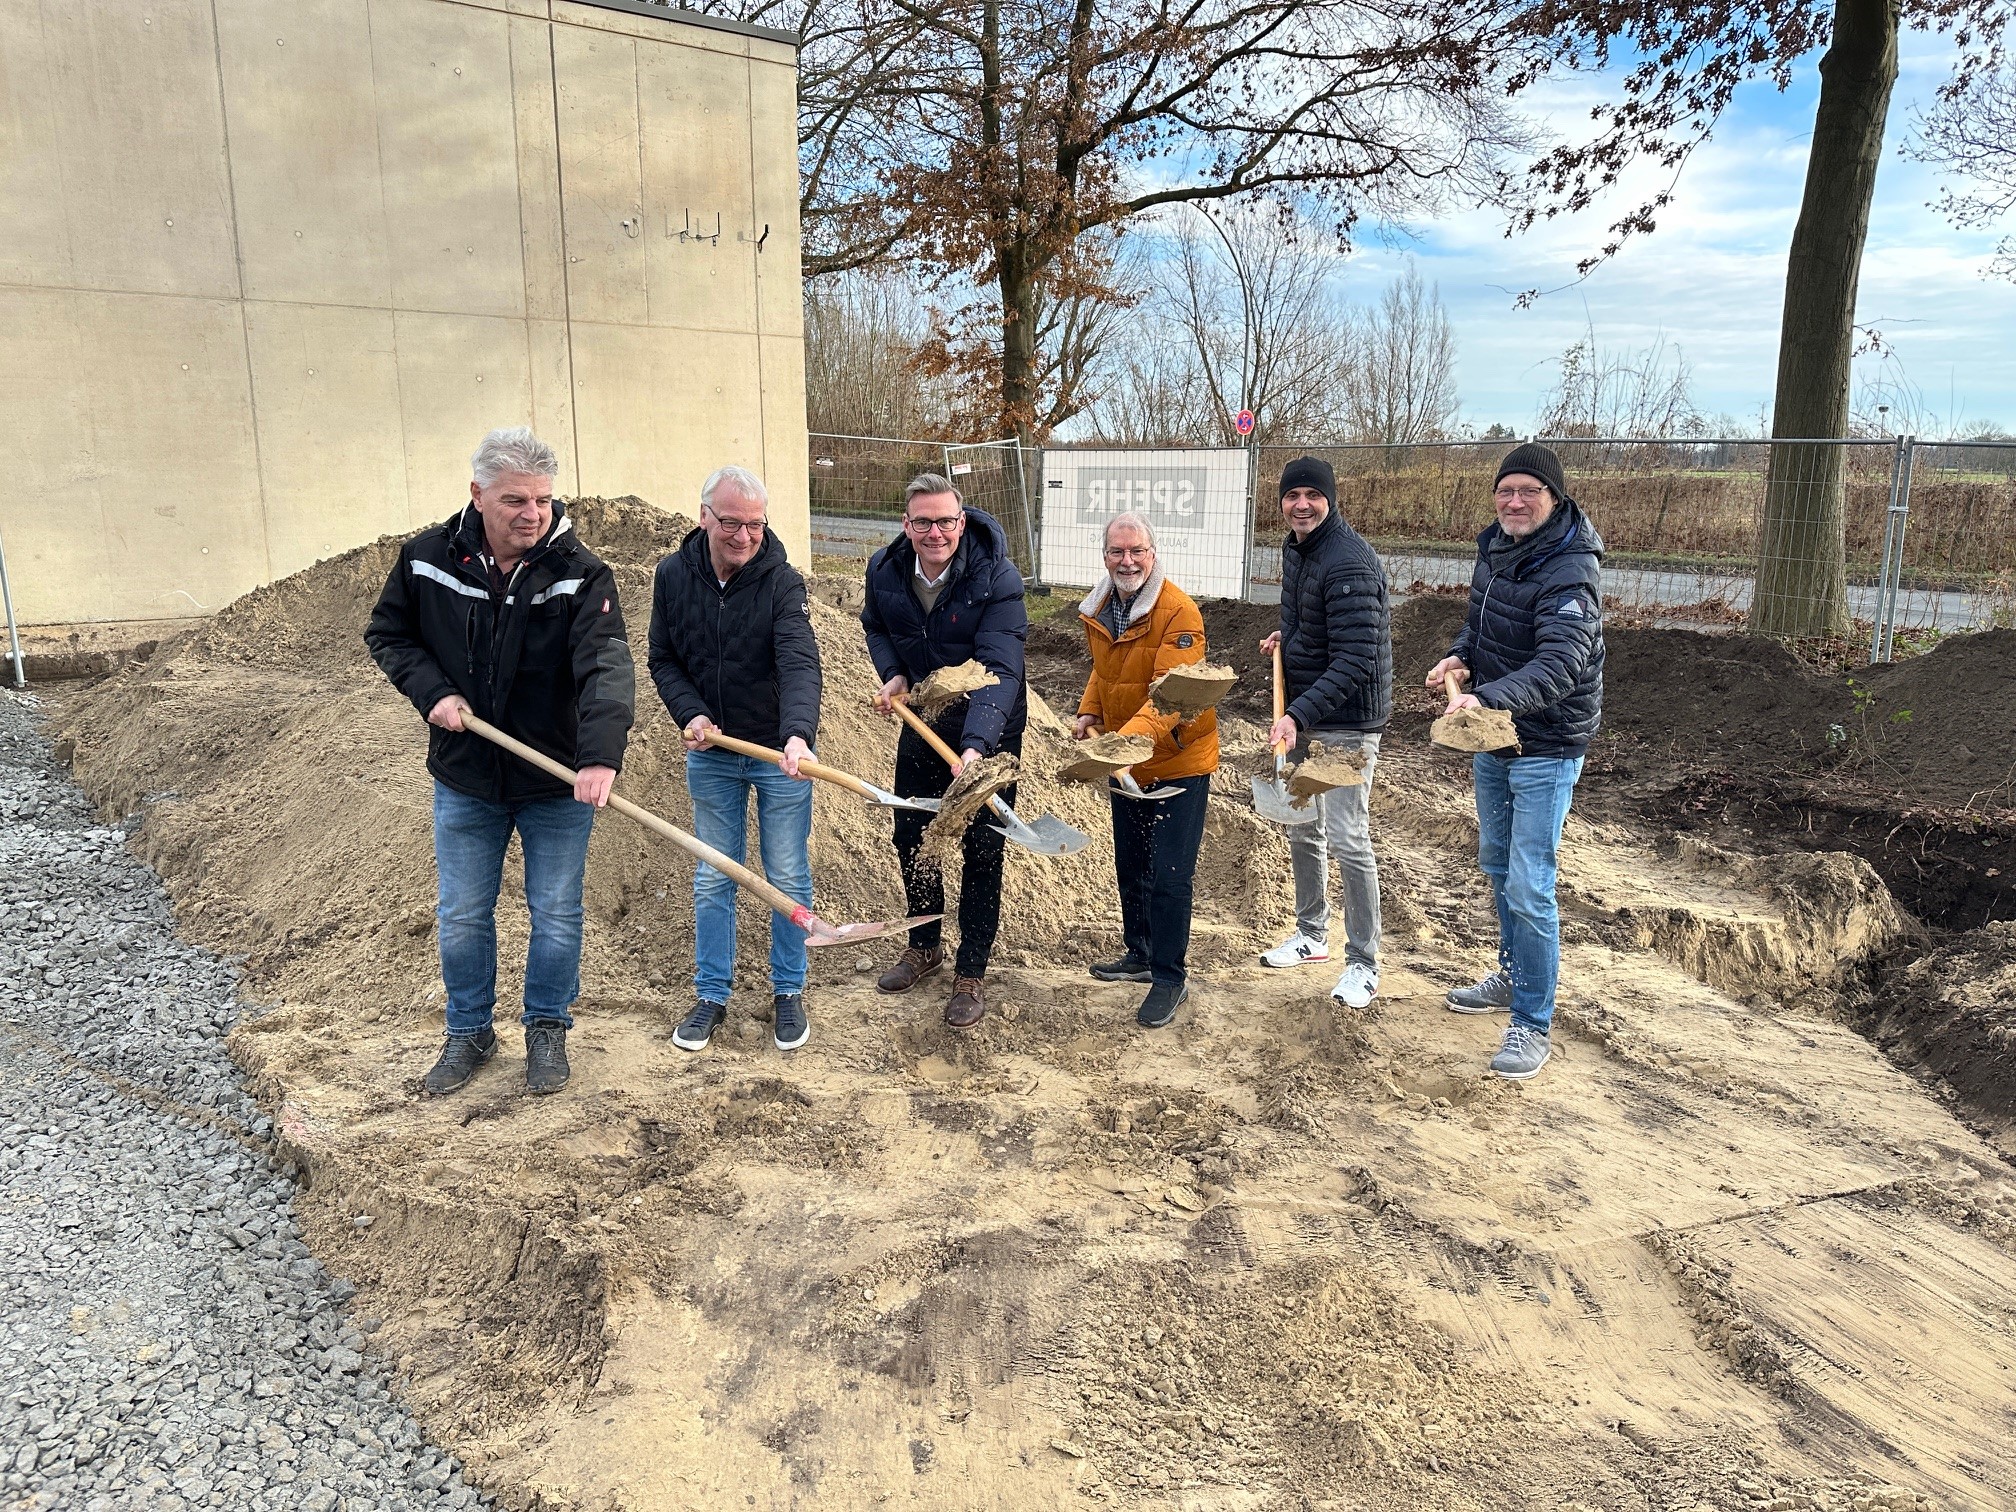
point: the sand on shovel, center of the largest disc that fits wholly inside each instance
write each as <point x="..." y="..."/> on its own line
<point x="1327" y="767"/>
<point x="948" y="685"/>
<point x="1191" y="689"/>
<point x="964" y="800"/>
<point x="1477" y="729"/>
<point x="1103" y="755"/>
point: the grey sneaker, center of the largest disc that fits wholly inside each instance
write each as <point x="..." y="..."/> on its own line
<point x="1492" y="995"/>
<point x="1524" y="1051"/>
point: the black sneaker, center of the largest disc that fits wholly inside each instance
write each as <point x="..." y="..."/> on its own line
<point x="546" y="1067"/>
<point x="1158" y="1009"/>
<point x="459" y="1059"/>
<point x="791" y="1029"/>
<point x="1129" y="968"/>
<point x="699" y="1025"/>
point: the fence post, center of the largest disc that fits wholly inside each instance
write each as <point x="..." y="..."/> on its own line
<point x="1883" y="636"/>
<point x="1252" y="523"/>
<point x="13" y="632"/>
<point x="1029" y="530"/>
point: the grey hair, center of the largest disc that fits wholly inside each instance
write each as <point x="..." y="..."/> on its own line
<point x="930" y="483"/>
<point x="1131" y="517"/>
<point x="739" y="480"/>
<point x="512" y="449"/>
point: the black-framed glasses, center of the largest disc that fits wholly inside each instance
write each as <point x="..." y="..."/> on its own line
<point x="945" y="526"/>
<point x="749" y="528"/>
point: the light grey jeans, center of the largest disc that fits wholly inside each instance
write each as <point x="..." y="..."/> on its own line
<point x="1343" y="825"/>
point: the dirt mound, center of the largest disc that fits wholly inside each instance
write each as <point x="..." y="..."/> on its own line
<point x="1944" y="723"/>
<point x="1953" y="1012"/>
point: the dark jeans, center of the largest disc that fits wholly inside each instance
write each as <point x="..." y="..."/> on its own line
<point x="1155" y="857"/>
<point x="922" y="773"/>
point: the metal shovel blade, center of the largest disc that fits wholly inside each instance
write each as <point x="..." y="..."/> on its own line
<point x="1047" y="835"/>
<point x="883" y="798"/>
<point x="1272" y="800"/>
<point x="853" y="934"/>
<point x="1127" y="787"/>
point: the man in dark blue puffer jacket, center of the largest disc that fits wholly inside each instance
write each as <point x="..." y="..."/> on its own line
<point x="1532" y="645"/>
<point x="944" y="592"/>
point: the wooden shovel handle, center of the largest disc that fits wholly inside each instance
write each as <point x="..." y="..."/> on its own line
<point x="806" y="764"/>
<point x="1280" y="747"/>
<point x="910" y="717"/>
<point x="1451" y="685"/>
<point x="699" y="849"/>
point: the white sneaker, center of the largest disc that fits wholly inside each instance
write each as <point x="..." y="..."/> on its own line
<point x="1297" y="950"/>
<point x="1355" y="988"/>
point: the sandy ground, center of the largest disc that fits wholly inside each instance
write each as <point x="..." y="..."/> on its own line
<point x="1722" y="1254"/>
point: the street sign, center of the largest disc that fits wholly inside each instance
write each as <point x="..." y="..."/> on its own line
<point x="1243" y="422"/>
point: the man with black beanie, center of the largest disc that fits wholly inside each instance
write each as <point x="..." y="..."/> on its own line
<point x="1532" y="645"/>
<point x="1336" y="640"/>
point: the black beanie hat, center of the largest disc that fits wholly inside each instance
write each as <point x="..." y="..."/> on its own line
<point x="1310" y="472"/>
<point x="1536" y="461"/>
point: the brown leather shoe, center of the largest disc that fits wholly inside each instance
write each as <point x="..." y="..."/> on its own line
<point x="911" y="968"/>
<point x="968" y="1004"/>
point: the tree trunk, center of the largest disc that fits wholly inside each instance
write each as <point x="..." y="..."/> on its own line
<point x="1802" y="578"/>
<point x="1018" y="345"/>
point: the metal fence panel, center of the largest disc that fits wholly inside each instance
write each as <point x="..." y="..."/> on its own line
<point x="1956" y="547"/>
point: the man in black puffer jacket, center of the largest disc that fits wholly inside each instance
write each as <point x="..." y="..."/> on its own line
<point x="732" y="653"/>
<point x="942" y="593"/>
<point x="501" y="612"/>
<point x="1532" y="645"/>
<point x="1336" y="642"/>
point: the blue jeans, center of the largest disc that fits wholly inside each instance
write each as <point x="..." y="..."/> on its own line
<point x="470" y="837"/>
<point x="719" y="782"/>
<point x="1522" y="802"/>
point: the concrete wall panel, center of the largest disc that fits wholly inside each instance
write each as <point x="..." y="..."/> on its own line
<point x="373" y="259"/>
<point x="306" y="165"/>
<point x="331" y="438"/>
<point x="450" y="157"/>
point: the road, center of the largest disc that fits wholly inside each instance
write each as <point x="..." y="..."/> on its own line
<point x="1636" y="587"/>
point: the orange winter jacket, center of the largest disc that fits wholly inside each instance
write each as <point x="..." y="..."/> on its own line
<point x="1164" y="630"/>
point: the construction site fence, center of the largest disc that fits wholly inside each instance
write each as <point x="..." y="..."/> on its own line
<point x="1927" y="529"/>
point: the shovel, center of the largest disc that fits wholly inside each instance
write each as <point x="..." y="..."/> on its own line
<point x="1127" y="787"/>
<point x="1477" y="729"/>
<point x="1047" y="835"/>
<point x="817" y="930"/>
<point x="1271" y="799"/>
<point x="824" y="773"/>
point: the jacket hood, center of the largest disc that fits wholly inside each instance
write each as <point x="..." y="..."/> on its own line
<point x="1568" y="530"/>
<point x="769" y="557"/>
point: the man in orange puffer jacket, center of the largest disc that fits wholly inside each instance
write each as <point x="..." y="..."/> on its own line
<point x="1138" y="625"/>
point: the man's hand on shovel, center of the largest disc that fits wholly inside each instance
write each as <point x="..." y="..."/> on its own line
<point x="795" y="751"/>
<point x="1284" y="734"/>
<point x="1437" y="681"/>
<point x="448" y="713"/>
<point x="892" y="690"/>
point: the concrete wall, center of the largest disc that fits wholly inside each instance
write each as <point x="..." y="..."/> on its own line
<point x="272" y="267"/>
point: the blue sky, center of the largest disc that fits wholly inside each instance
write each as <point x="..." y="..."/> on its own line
<point x="1710" y="279"/>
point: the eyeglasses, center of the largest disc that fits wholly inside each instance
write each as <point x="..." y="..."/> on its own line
<point x="750" y="528"/>
<point x="1524" y="495"/>
<point x="1120" y="553"/>
<point x="947" y="526"/>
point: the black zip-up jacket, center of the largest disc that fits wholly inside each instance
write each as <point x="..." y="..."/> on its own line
<point x="1533" y="639"/>
<point x="545" y="659"/>
<point x="1336" y="630"/>
<point x="979" y="616"/>
<point x="743" y="655"/>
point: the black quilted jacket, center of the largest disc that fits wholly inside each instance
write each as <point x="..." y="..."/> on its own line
<point x="1336" y="630"/>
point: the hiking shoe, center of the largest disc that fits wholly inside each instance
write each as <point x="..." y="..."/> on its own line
<point x="968" y="1003"/>
<point x="1523" y="1053"/>
<point x="1492" y="995"/>
<point x="1158" y="1009"/>
<point x="1297" y="950"/>
<point x="1355" y="988"/>
<point x="545" y="1056"/>
<point x="459" y="1059"/>
<point x="911" y="968"/>
<point x="791" y="1028"/>
<point x="698" y="1027"/>
<point x="1129" y="968"/>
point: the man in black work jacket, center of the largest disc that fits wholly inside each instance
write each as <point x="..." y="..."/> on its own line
<point x="500" y="611"/>
<point x="942" y="593"/>
<point x="732" y="653"/>
<point x="1532" y="644"/>
<point x="1336" y="641"/>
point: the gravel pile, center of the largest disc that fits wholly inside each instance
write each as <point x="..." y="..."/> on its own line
<point x="166" y="1340"/>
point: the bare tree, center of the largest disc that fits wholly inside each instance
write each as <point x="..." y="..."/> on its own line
<point x="863" y="337"/>
<point x="1399" y="379"/>
<point x="1972" y="130"/>
<point x="1600" y="391"/>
